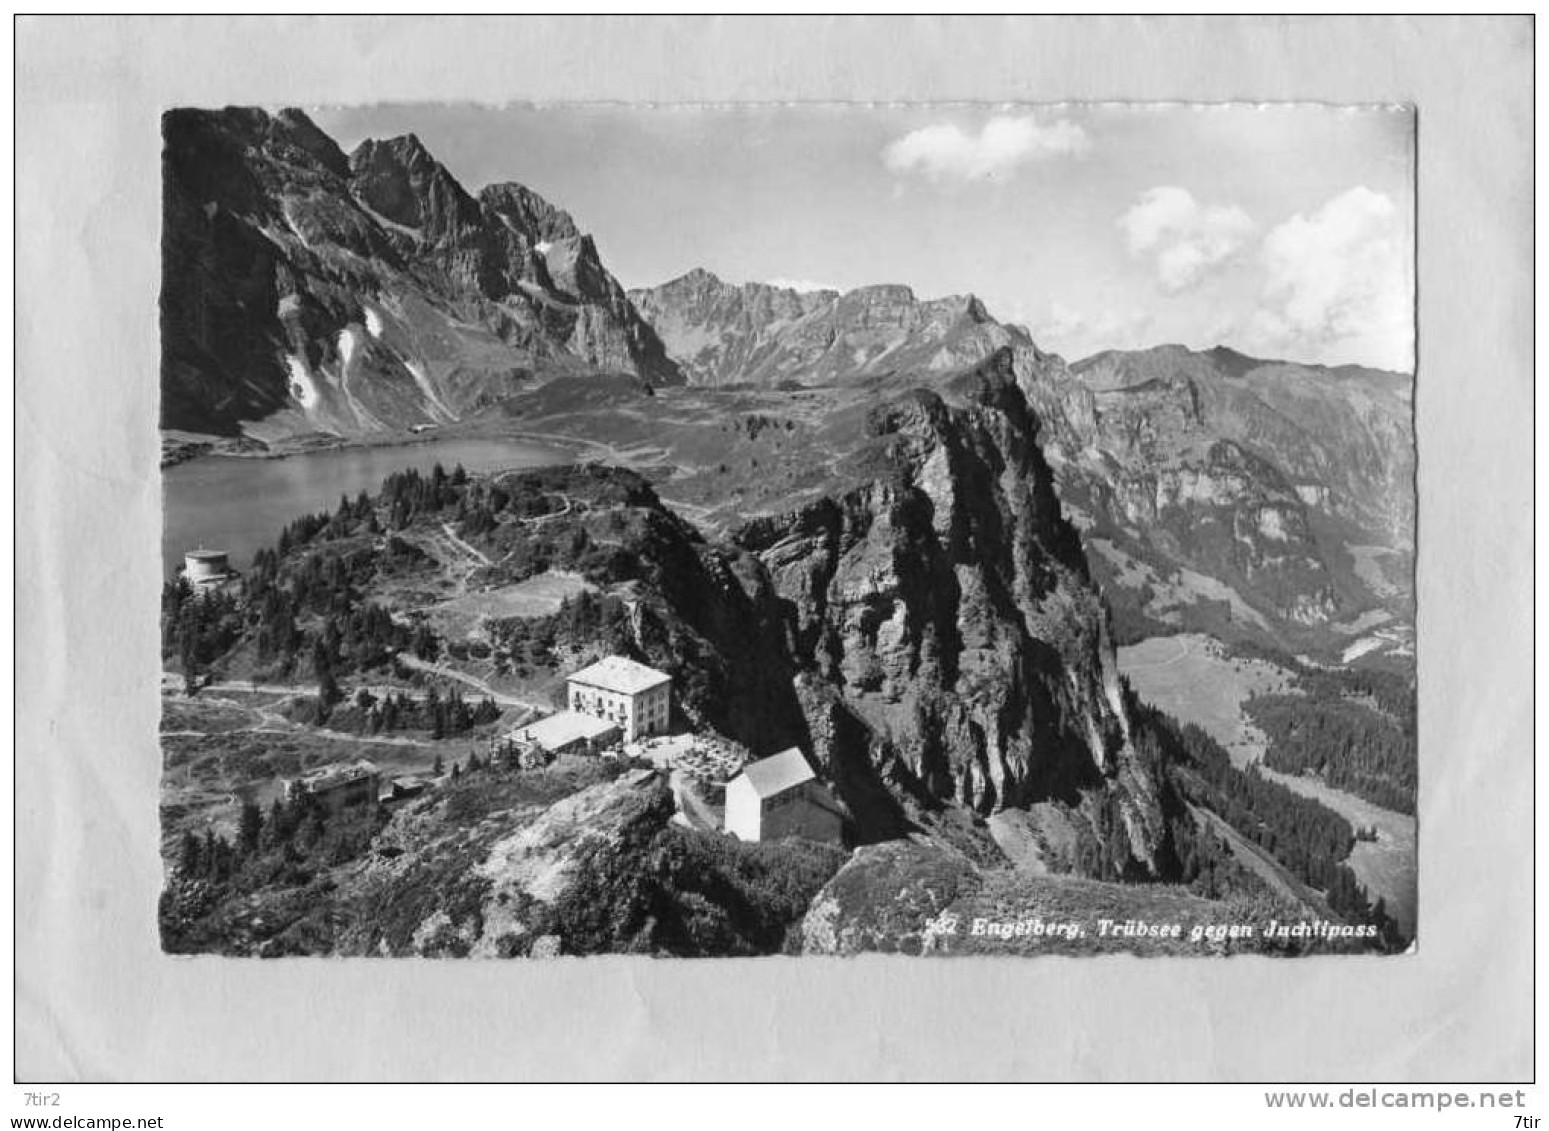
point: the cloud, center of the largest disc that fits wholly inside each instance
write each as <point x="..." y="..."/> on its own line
<point x="946" y="154"/>
<point x="1081" y="333"/>
<point x="1340" y="277"/>
<point x="1185" y="240"/>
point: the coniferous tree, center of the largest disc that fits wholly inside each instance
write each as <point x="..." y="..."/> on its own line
<point x="328" y="690"/>
<point x="275" y="829"/>
<point x="190" y="859"/>
<point x="209" y="856"/>
<point x="249" y="827"/>
<point x="424" y="642"/>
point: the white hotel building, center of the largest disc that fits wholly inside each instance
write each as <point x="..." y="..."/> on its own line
<point x="636" y="698"/>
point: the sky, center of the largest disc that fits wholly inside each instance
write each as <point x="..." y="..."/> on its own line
<point x="1283" y="232"/>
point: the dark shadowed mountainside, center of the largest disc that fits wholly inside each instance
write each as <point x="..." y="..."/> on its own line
<point x="306" y="290"/>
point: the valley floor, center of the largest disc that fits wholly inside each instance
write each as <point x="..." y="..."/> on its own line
<point x="1191" y="678"/>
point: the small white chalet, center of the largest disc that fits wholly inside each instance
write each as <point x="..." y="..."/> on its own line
<point x="780" y="796"/>
<point x="637" y="699"/>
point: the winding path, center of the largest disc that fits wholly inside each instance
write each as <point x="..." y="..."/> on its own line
<point x="451" y="534"/>
<point x="409" y="660"/>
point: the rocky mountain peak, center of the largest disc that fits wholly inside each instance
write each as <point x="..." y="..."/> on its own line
<point x="517" y="204"/>
<point x="939" y="587"/>
<point x="879" y="295"/>
<point x="698" y="279"/>
<point x="299" y="130"/>
<point x="400" y="181"/>
<point x="405" y="153"/>
<point x="305" y="290"/>
<point x="761" y="334"/>
<point x="1230" y="361"/>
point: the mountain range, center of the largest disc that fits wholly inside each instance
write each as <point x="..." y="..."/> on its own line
<point x="307" y="291"/>
<point x="1260" y="500"/>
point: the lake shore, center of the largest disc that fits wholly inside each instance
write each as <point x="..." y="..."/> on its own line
<point x="178" y="447"/>
<point x="240" y="504"/>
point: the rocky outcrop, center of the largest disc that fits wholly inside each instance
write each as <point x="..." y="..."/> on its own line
<point x="306" y="290"/>
<point x="891" y="899"/>
<point x="476" y="870"/>
<point x="946" y="600"/>
<point x="537" y="869"/>
<point x="920" y="898"/>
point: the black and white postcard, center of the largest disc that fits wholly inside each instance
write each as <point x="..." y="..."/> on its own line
<point x="699" y="532"/>
<point x="909" y="548"/>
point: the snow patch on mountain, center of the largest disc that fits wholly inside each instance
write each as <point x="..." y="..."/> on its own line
<point x="390" y="225"/>
<point x="349" y="342"/>
<point x="302" y="386"/>
<point x="434" y="404"/>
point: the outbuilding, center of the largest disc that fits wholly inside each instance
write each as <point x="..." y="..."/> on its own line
<point x="568" y="732"/>
<point x="780" y="796"/>
<point x="337" y="787"/>
<point x="401" y="789"/>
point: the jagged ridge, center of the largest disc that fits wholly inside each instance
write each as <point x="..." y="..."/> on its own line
<point x="1218" y="492"/>
<point x="306" y="290"/>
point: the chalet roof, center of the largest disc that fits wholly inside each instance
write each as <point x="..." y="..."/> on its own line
<point x="777" y="773"/>
<point x="562" y="729"/>
<point x="620" y="674"/>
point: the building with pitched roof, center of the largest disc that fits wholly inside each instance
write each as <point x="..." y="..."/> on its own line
<point x="568" y="732"/>
<point x="337" y="786"/>
<point x="780" y="796"/>
<point x="636" y="698"/>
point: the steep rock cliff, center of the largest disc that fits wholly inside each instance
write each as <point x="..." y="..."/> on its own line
<point x="306" y="290"/>
<point x="947" y="600"/>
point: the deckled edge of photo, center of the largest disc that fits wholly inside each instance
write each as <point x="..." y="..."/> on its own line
<point x="96" y="1000"/>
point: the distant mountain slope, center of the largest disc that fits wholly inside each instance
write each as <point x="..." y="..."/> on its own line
<point x="723" y="334"/>
<point x="1342" y="437"/>
<point x="306" y="290"/>
<point x="1251" y="499"/>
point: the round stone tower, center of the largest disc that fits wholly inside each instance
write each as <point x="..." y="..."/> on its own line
<point x="202" y="566"/>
